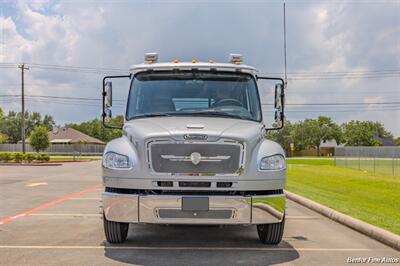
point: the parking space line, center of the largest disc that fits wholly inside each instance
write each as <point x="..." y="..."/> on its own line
<point x="48" y="204"/>
<point x="85" y="198"/>
<point x="193" y="248"/>
<point x="66" y="214"/>
<point x="37" y="184"/>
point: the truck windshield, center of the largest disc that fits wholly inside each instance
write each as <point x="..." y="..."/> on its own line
<point x="180" y="93"/>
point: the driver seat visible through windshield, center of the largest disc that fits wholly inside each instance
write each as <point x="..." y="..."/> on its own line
<point x="159" y="104"/>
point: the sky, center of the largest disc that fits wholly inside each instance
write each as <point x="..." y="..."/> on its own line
<point x="342" y="53"/>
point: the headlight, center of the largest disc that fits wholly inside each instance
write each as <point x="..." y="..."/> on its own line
<point x="275" y="162"/>
<point x="114" y="160"/>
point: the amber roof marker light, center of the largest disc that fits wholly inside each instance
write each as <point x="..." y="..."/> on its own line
<point x="151" y="58"/>
<point x="236" y="59"/>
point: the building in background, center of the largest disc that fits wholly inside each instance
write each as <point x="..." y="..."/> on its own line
<point x="66" y="135"/>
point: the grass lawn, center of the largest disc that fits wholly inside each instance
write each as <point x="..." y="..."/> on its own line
<point x="311" y="161"/>
<point x="373" y="198"/>
<point x="70" y="158"/>
<point x="380" y="165"/>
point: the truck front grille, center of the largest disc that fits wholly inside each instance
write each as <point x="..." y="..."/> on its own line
<point x="203" y="158"/>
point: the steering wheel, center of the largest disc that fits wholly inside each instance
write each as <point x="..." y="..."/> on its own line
<point x="227" y="102"/>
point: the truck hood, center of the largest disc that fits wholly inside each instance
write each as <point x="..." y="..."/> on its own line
<point x="176" y="127"/>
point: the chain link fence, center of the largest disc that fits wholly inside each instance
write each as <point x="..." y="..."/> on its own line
<point x="385" y="160"/>
<point x="59" y="149"/>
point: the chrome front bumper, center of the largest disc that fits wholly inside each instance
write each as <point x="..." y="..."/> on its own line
<point x="167" y="209"/>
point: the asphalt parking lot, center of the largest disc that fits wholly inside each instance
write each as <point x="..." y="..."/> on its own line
<point x="51" y="215"/>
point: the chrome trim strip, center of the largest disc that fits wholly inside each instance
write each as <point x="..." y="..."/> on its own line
<point x="201" y="159"/>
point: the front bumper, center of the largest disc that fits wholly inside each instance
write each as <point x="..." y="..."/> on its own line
<point x="167" y="209"/>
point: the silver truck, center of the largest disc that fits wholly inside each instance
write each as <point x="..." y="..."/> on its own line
<point x="194" y="150"/>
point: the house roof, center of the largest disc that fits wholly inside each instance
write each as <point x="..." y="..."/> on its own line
<point x="61" y="141"/>
<point x="70" y="135"/>
<point x="384" y="141"/>
<point x="328" y="144"/>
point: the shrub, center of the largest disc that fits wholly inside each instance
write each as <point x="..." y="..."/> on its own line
<point x="6" y="156"/>
<point x="18" y="157"/>
<point x="45" y="157"/>
<point x="39" y="139"/>
<point x="29" y="157"/>
<point x="38" y="157"/>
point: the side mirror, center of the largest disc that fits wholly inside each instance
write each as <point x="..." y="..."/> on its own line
<point x="278" y="96"/>
<point x="107" y="115"/>
<point x="108" y="96"/>
<point x="278" y="116"/>
<point x="279" y="102"/>
<point x="107" y="99"/>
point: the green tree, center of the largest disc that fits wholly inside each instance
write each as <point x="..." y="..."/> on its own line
<point x="311" y="132"/>
<point x="95" y="128"/>
<point x="380" y="130"/>
<point x="3" y="139"/>
<point x="39" y="138"/>
<point x="10" y="125"/>
<point x="397" y="141"/>
<point x="284" y="136"/>
<point x="362" y="133"/>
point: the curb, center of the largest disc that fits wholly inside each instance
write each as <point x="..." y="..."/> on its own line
<point x="30" y="164"/>
<point x="388" y="238"/>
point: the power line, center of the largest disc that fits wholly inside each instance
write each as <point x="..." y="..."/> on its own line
<point x="346" y="77"/>
<point x="322" y="104"/>
<point x="59" y="97"/>
<point x="302" y="75"/>
<point x="265" y="104"/>
<point x="343" y="111"/>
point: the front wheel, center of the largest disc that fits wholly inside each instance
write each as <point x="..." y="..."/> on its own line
<point x="115" y="232"/>
<point x="271" y="233"/>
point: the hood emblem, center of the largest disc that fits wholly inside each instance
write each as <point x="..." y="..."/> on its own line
<point x="194" y="126"/>
<point x="195" y="137"/>
<point x="195" y="158"/>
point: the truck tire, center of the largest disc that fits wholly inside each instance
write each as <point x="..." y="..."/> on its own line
<point x="115" y="232"/>
<point x="271" y="234"/>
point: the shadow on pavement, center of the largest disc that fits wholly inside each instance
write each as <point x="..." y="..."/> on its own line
<point x="197" y="245"/>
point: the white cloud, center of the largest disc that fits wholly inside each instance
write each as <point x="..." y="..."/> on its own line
<point x="322" y="37"/>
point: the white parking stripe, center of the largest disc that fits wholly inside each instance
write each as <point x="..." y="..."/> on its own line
<point x="37" y="184"/>
<point x="193" y="248"/>
<point x="86" y="199"/>
<point x="65" y="214"/>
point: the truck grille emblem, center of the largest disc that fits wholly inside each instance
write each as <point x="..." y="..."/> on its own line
<point x="195" y="137"/>
<point x="195" y="158"/>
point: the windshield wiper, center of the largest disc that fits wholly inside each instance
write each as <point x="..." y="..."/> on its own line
<point x="151" y="115"/>
<point x="213" y="113"/>
<point x="207" y="113"/>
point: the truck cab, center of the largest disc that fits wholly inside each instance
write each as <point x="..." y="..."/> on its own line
<point x="194" y="150"/>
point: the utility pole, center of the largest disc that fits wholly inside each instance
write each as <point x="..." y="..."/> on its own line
<point x="284" y="39"/>
<point x="23" y="67"/>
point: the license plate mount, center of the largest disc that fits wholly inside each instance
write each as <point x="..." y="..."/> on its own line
<point x="195" y="204"/>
